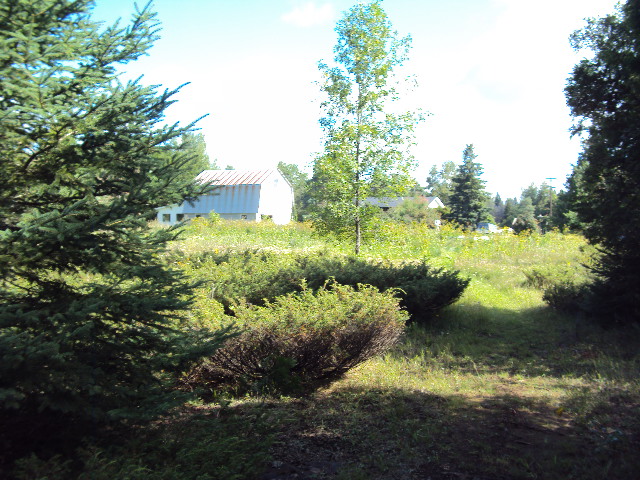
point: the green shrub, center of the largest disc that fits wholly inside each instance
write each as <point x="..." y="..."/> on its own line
<point x="566" y="295"/>
<point x="422" y="289"/>
<point x="302" y="340"/>
<point x="564" y="288"/>
<point x="258" y="276"/>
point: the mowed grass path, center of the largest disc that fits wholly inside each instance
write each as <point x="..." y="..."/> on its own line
<point x="498" y="386"/>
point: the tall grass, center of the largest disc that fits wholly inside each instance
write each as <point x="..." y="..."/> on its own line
<point x="447" y="245"/>
<point x="499" y="384"/>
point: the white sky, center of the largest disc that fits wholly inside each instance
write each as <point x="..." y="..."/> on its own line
<point x="491" y="73"/>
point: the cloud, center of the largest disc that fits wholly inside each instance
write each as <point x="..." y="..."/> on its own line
<point x="309" y="14"/>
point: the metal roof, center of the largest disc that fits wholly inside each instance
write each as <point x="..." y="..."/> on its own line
<point x="234" y="177"/>
<point x="390" y="202"/>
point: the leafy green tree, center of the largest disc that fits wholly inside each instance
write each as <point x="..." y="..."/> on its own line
<point x="90" y="314"/>
<point x="366" y="141"/>
<point x="564" y="217"/>
<point x="194" y="147"/>
<point x="468" y="200"/>
<point x="415" y="189"/>
<point x="602" y="93"/>
<point x="299" y="181"/>
<point x="414" y="210"/>
<point x="195" y="143"/>
<point x="542" y="199"/>
<point x="439" y="182"/>
<point x="525" y="217"/>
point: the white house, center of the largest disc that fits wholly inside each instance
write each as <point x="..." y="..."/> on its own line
<point x="252" y="195"/>
<point x="486" y="227"/>
<point x="385" y="203"/>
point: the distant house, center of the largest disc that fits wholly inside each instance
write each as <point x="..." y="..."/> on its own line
<point x="251" y="195"/>
<point x="386" y="203"/>
<point x="486" y="227"/>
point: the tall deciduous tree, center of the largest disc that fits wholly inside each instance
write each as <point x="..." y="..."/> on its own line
<point x="89" y="312"/>
<point x="468" y="200"/>
<point x="299" y="181"/>
<point x="366" y="141"/>
<point x="439" y="182"/>
<point x="196" y="145"/>
<point x="603" y="94"/>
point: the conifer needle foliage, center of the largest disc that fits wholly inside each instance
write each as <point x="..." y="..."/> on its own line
<point x="603" y="96"/>
<point x="88" y="311"/>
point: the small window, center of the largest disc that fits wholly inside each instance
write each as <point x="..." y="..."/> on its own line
<point x="180" y="217"/>
<point x="166" y="217"/>
<point x="243" y="217"/>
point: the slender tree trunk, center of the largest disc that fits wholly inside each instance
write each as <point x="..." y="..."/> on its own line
<point x="357" y="205"/>
<point x="357" y="199"/>
<point x="358" y="232"/>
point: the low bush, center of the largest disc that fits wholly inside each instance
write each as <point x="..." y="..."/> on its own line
<point x="302" y="341"/>
<point x="255" y="277"/>
<point x="564" y="288"/>
<point x="422" y="289"/>
<point x="566" y="295"/>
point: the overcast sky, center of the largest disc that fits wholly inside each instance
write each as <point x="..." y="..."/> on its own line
<point x="490" y="72"/>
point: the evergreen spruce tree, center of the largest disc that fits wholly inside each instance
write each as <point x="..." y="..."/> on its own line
<point x="565" y="216"/>
<point x="498" y="209"/>
<point x="510" y="212"/>
<point x="525" y="217"/>
<point x="468" y="199"/>
<point x="89" y="312"/>
<point x="603" y="96"/>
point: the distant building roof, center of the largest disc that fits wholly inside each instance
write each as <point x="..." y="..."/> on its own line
<point x="235" y="177"/>
<point x="385" y="202"/>
<point x="391" y="202"/>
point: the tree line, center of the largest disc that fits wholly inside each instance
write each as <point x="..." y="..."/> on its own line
<point x="540" y="208"/>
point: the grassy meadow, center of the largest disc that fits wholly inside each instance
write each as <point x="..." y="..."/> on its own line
<point x="498" y="386"/>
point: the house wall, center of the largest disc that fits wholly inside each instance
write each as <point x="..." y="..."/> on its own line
<point x="168" y="215"/>
<point x="272" y="198"/>
<point x="234" y="202"/>
<point x="231" y="199"/>
<point x="276" y="199"/>
<point x="436" y="203"/>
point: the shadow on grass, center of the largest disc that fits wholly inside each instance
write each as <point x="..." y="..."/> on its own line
<point x="354" y="433"/>
<point x="529" y="342"/>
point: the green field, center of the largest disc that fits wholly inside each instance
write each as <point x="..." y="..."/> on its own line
<point x="498" y="386"/>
